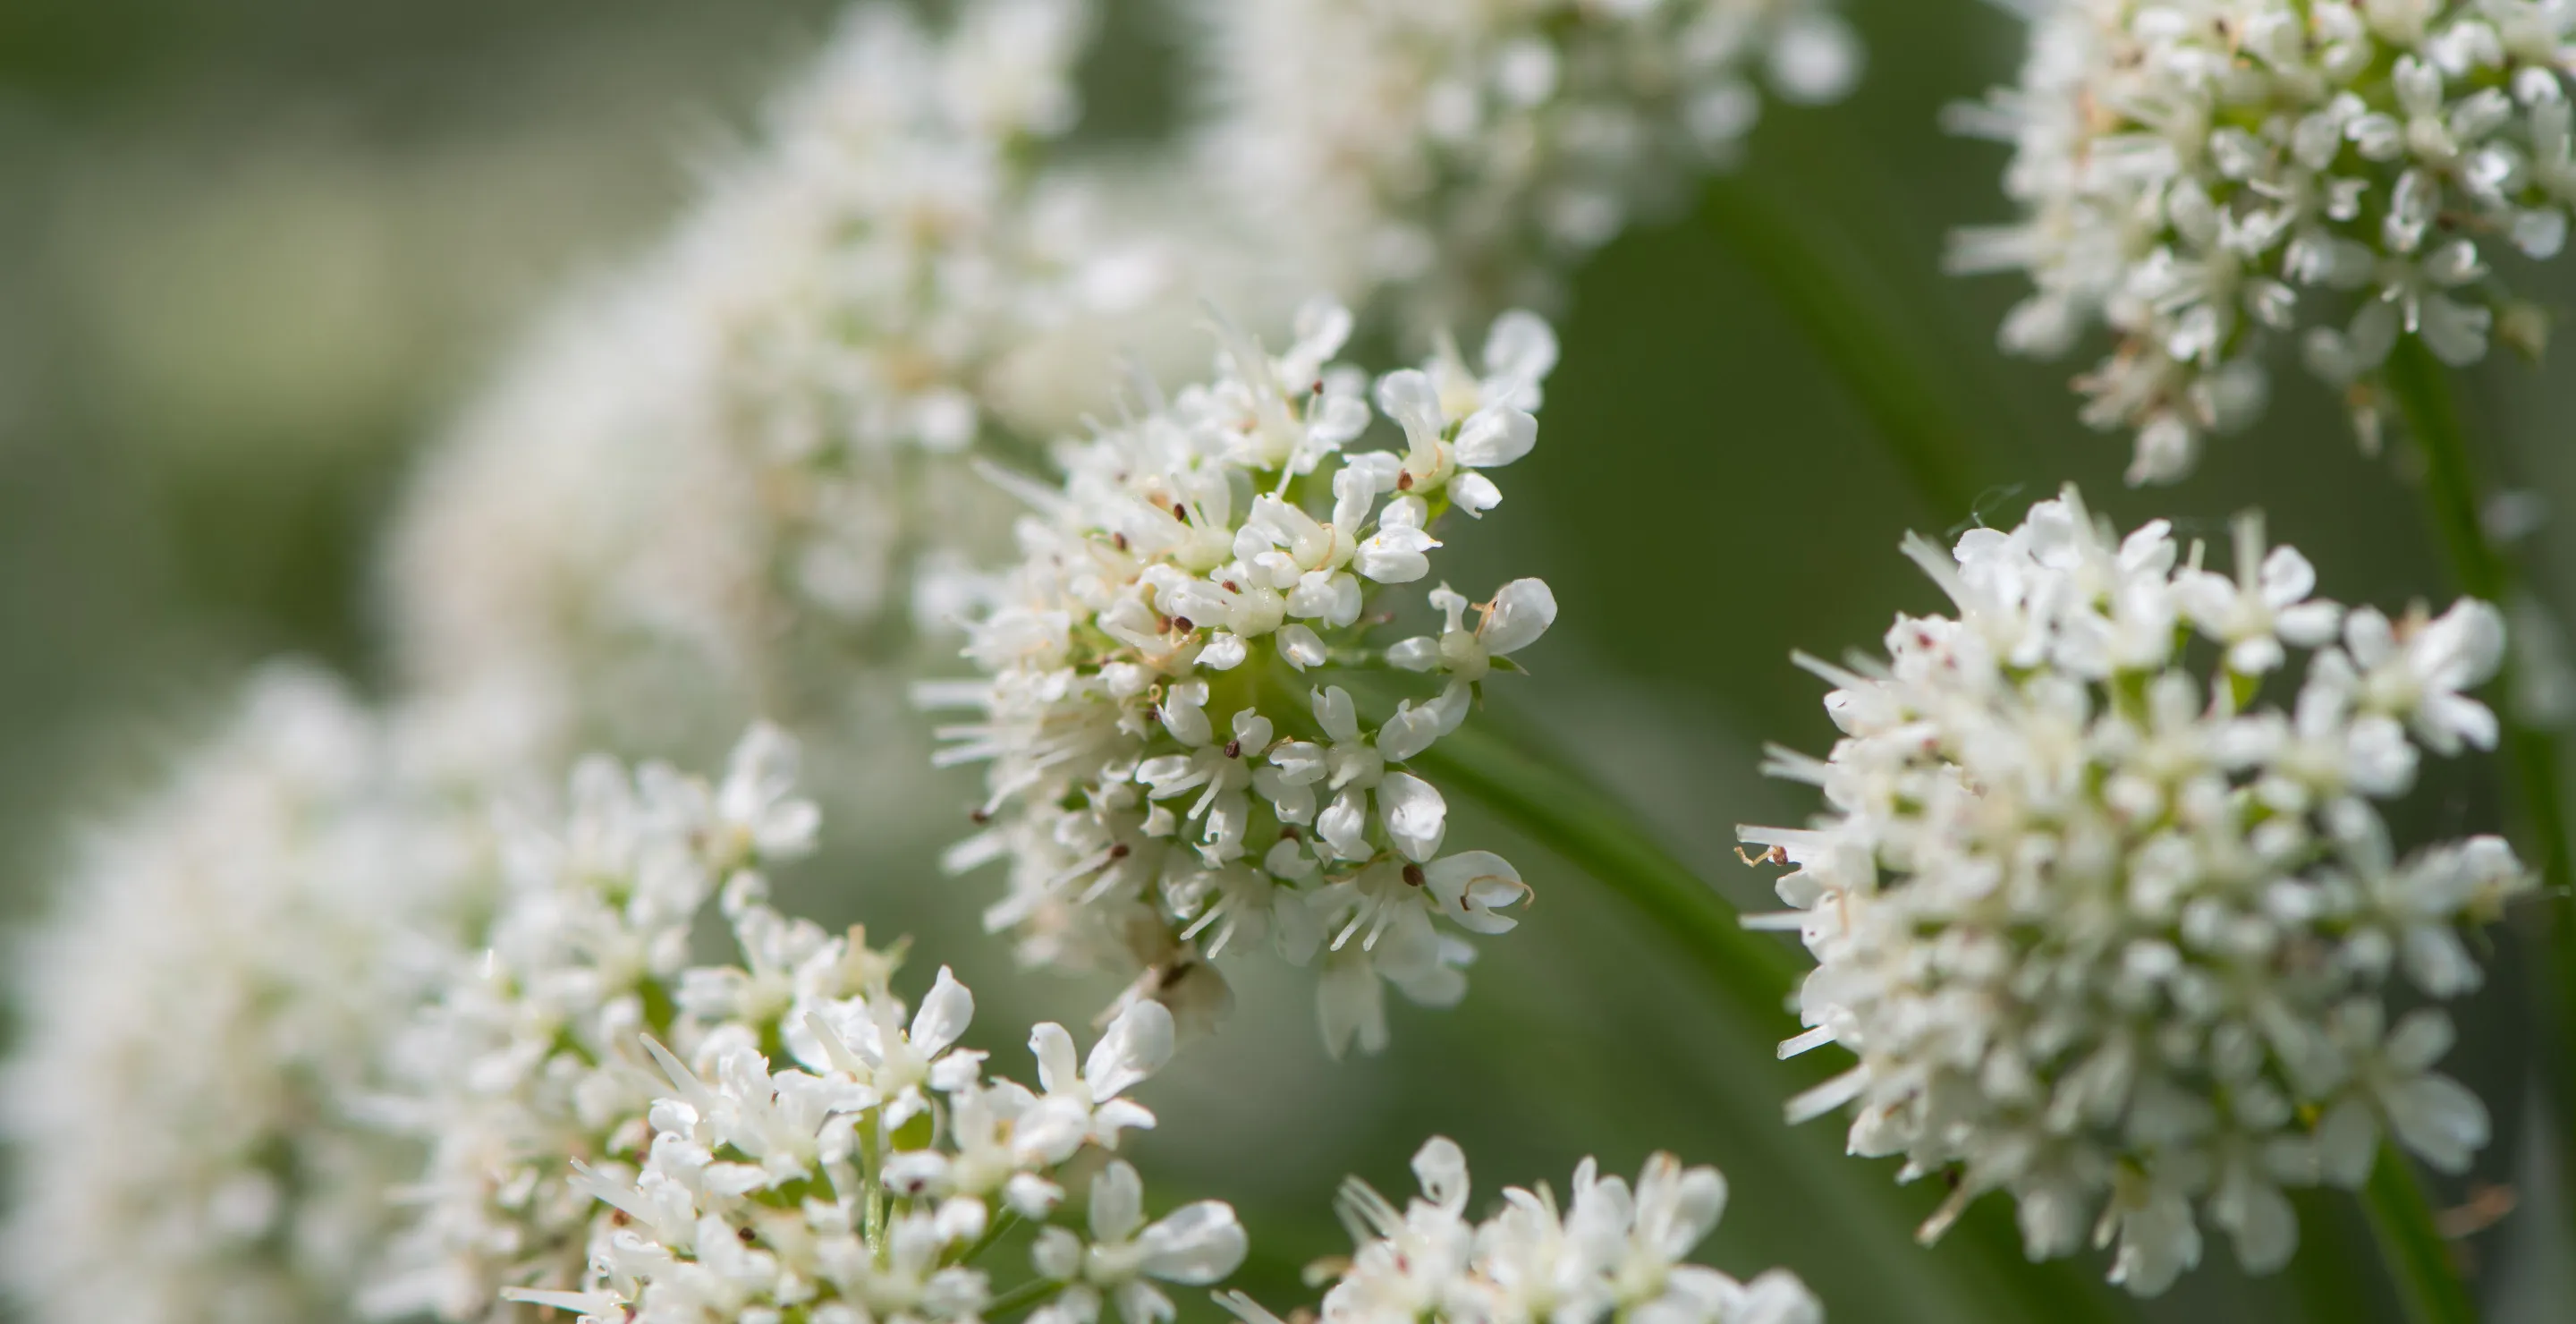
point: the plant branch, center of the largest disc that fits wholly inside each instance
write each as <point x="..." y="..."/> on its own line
<point x="2411" y="1245"/>
<point x="1817" y="279"/>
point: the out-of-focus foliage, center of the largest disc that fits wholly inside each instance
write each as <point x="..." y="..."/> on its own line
<point x="251" y="251"/>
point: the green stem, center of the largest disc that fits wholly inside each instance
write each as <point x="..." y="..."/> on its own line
<point x="2411" y="1245"/>
<point x="1821" y="283"/>
<point x="1026" y="1294"/>
<point x="1564" y="813"/>
<point x="2452" y="494"/>
<point x="1542" y="796"/>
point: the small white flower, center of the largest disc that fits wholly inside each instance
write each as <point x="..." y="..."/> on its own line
<point x="1085" y="1108"/>
<point x="2414" y="670"/>
<point x="1519" y="613"/>
<point x="1192" y="1246"/>
<point x="2266" y="605"/>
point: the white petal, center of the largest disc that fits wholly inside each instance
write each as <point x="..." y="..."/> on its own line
<point x="1409" y="397"/>
<point x="1197" y="1244"/>
<point x="1136" y="1045"/>
<point x="1523" y="611"/>
<point x="1521" y="348"/>
<point x="944" y="1015"/>
<point x="1440" y="1166"/>
<point x="1492" y="438"/>
<point x="1414" y="814"/>
<point x="1117" y="1202"/>
<point x="1335" y="712"/>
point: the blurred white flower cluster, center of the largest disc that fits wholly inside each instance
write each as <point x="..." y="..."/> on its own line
<point x="527" y="1053"/>
<point x="612" y="1129"/>
<point x="705" y="488"/>
<point x="717" y="474"/>
<point x="2198" y="175"/>
<point x="1173" y="772"/>
<point x="1616" y="1252"/>
<point x="1462" y="153"/>
<point x="2107" y="935"/>
<point x="202" y="1011"/>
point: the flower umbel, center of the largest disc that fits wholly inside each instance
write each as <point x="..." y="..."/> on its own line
<point x="531" y="1054"/>
<point x="1616" y="1251"/>
<point x="2109" y="936"/>
<point x="617" y="1133"/>
<point x="1174" y="771"/>
<point x="707" y="488"/>
<point x="196" y="1019"/>
<point x="2202" y="175"/>
<point x="1463" y="155"/>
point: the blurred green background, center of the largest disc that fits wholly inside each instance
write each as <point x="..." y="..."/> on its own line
<point x="253" y="252"/>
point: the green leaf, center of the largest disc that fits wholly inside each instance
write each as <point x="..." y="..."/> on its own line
<point x="2412" y="1246"/>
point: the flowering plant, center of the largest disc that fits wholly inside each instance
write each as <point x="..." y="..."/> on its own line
<point x="2150" y="889"/>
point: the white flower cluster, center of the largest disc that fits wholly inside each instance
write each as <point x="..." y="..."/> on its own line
<point x="614" y="1131"/>
<point x="2198" y="174"/>
<point x="1616" y="1252"/>
<point x="860" y="1184"/>
<point x="2108" y="936"/>
<point x="1464" y="152"/>
<point x="197" y="1017"/>
<point x="1173" y="773"/>
<point x="531" y="1052"/>
<point x="717" y="475"/>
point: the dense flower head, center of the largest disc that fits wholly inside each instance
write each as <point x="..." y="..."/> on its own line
<point x="197" y="1014"/>
<point x="2201" y="176"/>
<point x="1615" y="1251"/>
<point x="2109" y="934"/>
<point x="1175" y="770"/>
<point x="529" y="1053"/>
<point x="1462" y="153"/>
<point x="612" y="1129"/>
<point x="854" y="1173"/>
<point x="705" y="485"/>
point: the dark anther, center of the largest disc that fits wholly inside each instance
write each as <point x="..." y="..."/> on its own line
<point x="1182" y="624"/>
<point x="1404" y="481"/>
<point x="1231" y="586"/>
<point x="980" y="815"/>
<point x="1119" y="851"/>
<point x="1179" y="513"/>
<point x="744" y="1233"/>
<point x="1120" y="539"/>
<point x="1289" y="834"/>
<point x="1413" y="875"/>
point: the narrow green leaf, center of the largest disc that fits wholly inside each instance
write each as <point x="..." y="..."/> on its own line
<point x="1817" y="279"/>
<point x="2412" y="1246"/>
